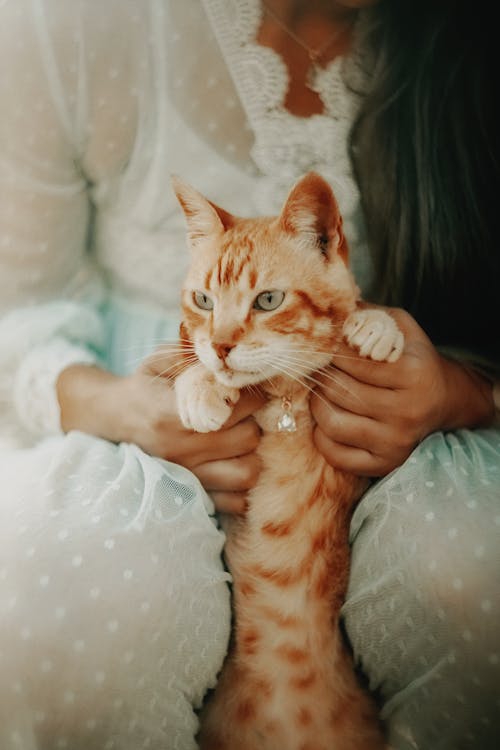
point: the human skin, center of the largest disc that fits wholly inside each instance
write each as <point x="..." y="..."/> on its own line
<point x="370" y="415"/>
<point x="141" y="409"/>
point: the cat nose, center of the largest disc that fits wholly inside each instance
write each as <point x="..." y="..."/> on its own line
<point x="222" y="350"/>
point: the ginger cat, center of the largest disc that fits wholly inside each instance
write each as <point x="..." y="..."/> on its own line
<point x="265" y="301"/>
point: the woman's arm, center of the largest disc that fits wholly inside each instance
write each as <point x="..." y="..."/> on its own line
<point x="59" y="110"/>
<point x="370" y="415"/>
<point x="49" y="295"/>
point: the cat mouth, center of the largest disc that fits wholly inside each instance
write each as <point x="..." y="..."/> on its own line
<point x="230" y="371"/>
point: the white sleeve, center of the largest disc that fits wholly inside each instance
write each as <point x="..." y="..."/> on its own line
<point x="49" y="290"/>
<point x="36" y="344"/>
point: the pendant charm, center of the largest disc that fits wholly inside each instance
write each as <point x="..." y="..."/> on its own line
<point x="286" y="421"/>
<point x="312" y="76"/>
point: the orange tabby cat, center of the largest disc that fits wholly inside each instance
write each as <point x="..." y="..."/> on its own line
<point x="265" y="301"/>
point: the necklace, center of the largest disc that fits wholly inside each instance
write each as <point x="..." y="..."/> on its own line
<point x="286" y="420"/>
<point x="316" y="54"/>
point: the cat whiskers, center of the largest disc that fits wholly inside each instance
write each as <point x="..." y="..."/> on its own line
<point x="177" y="368"/>
<point x="310" y="388"/>
<point x="312" y="350"/>
<point x="173" y="346"/>
<point x="289" y="368"/>
<point x="160" y="341"/>
<point x="254" y="388"/>
<point x="158" y="354"/>
<point x="297" y="376"/>
<point x="325" y="372"/>
<point x="265" y="379"/>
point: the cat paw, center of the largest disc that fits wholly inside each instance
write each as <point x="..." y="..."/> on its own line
<point x="203" y="403"/>
<point x="374" y="334"/>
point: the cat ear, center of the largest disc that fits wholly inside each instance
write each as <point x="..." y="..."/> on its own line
<point x="312" y="214"/>
<point x="204" y="218"/>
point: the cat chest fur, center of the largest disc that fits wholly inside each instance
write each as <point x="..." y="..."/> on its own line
<point x="288" y="683"/>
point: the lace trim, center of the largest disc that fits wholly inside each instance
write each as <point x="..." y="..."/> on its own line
<point x="261" y="77"/>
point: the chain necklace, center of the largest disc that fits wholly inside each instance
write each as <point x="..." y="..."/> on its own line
<point x="317" y="54"/>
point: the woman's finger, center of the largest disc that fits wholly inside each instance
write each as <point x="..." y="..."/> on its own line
<point x="351" y="459"/>
<point x="239" y="440"/>
<point x="364" y="370"/>
<point x="230" y="502"/>
<point x="356" y="431"/>
<point x="348" y="393"/>
<point x="232" y="475"/>
<point x="248" y="403"/>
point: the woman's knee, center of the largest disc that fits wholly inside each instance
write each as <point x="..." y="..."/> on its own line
<point x="420" y="609"/>
<point x="432" y="527"/>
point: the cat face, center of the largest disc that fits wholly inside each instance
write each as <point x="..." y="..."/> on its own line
<point x="267" y="296"/>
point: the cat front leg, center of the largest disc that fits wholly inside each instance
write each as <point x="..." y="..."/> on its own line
<point x="203" y="403"/>
<point x="374" y="334"/>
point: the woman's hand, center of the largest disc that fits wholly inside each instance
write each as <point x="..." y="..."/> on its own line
<point x="371" y="415"/>
<point x="224" y="461"/>
<point x="141" y="409"/>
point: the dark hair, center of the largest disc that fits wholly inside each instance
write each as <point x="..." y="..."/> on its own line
<point x="425" y="154"/>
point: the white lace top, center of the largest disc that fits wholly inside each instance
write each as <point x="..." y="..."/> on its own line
<point x="100" y="103"/>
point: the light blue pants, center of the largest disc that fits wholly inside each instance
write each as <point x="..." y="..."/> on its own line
<point x="422" y="611"/>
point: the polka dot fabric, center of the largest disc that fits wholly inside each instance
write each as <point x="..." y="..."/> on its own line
<point x="114" y="612"/>
<point x="423" y="603"/>
<point x="114" y="608"/>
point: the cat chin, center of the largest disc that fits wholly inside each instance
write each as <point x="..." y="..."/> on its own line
<point x="238" y="379"/>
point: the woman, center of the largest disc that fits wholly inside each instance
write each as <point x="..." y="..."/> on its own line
<point x="115" y="599"/>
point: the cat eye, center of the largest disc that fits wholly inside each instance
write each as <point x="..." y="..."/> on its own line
<point x="269" y="300"/>
<point x="203" y="301"/>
